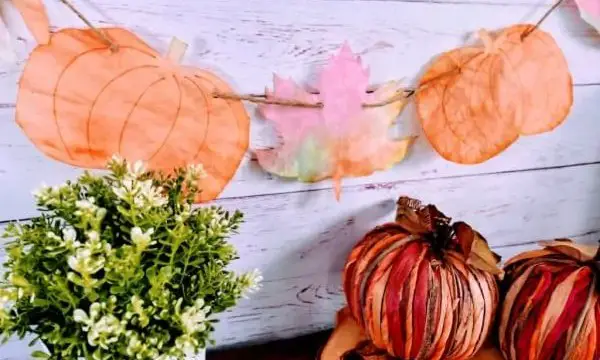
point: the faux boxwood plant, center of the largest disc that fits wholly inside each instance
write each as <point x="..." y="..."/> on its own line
<point x="120" y="266"/>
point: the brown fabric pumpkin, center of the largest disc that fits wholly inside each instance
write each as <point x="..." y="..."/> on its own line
<point x="422" y="287"/>
<point x="551" y="310"/>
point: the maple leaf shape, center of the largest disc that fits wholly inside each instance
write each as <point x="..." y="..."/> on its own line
<point x="590" y="12"/>
<point x="340" y="139"/>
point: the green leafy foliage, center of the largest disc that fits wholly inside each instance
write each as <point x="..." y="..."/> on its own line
<point x="121" y="266"/>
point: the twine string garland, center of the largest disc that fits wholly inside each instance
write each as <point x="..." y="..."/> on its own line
<point x="263" y="99"/>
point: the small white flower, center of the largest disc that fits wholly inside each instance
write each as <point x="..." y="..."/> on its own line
<point x="128" y="187"/>
<point x="137" y="303"/>
<point x="53" y="236"/>
<point x="4" y="300"/>
<point x="93" y="236"/>
<point x="47" y="195"/>
<point x="142" y="239"/>
<point x="254" y="281"/>
<point x="152" y="195"/>
<point x="166" y="357"/>
<point x="7" y="298"/>
<point x="195" y="172"/>
<point x="102" y="330"/>
<point x="41" y="191"/>
<point x="134" y="346"/>
<point x="115" y="161"/>
<point x="186" y="344"/>
<point x="84" y="263"/>
<point x="86" y="205"/>
<point x="137" y="169"/>
<point x="121" y="192"/>
<point x="193" y="318"/>
<point x="105" y="331"/>
<point x="80" y="316"/>
<point x="69" y="234"/>
<point x="96" y="309"/>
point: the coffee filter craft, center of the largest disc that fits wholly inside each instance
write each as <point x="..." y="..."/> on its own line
<point x="86" y="94"/>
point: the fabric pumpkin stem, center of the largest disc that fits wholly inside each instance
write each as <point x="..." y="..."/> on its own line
<point x="423" y="287"/>
<point x="551" y="310"/>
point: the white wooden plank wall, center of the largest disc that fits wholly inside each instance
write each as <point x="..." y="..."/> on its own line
<point x="543" y="187"/>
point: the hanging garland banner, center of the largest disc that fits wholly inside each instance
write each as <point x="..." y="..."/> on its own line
<point x="473" y="103"/>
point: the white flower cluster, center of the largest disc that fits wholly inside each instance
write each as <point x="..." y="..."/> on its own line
<point x="138" y="310"/>
<point x="216" y="224"/>
<point x="85" y="263"/>
<point x="195" y="172"/>
<point x="69" y="238"/>
<point x="186" y="211"/>
<point x="86" y="207"/>
<point x="102" y="329"/>
<point x="142" y="240"/>
<point x="48" y="195"/>
<point x="87" y="259"/>
<point x="139" y="193"/>
<point x="193" y="320"/>
<point x="131" y="245"/>
<point x="21" y="288"/>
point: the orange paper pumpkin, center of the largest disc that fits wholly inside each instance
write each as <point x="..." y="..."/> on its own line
<point x="35" y="17"/>
<point x="80" y="102"/>
<point x="540" y="75"/>
<point x="474" y="102"/>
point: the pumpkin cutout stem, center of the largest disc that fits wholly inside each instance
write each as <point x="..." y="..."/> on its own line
<point x="176" y="51"/>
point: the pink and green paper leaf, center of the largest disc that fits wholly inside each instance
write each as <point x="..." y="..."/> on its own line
<point x="341" y="139"/>
<point x="590" y="11"/>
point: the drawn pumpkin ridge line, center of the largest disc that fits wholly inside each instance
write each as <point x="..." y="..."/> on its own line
<point x="55" y="93"/>
<point x="100" y="93"/>
<point x="177" y="113"/>
<point x="493" y="98"/>
<point x="228" y="101"/>
<point x="207" y="115"/>
<point x="232" y="114"/>
<point x="519" y="79"/>
<point x="58" y="81"/>
<point x="127" y="118"/>
<point x="477" y="71"/>
<point x="447" y="122"/>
